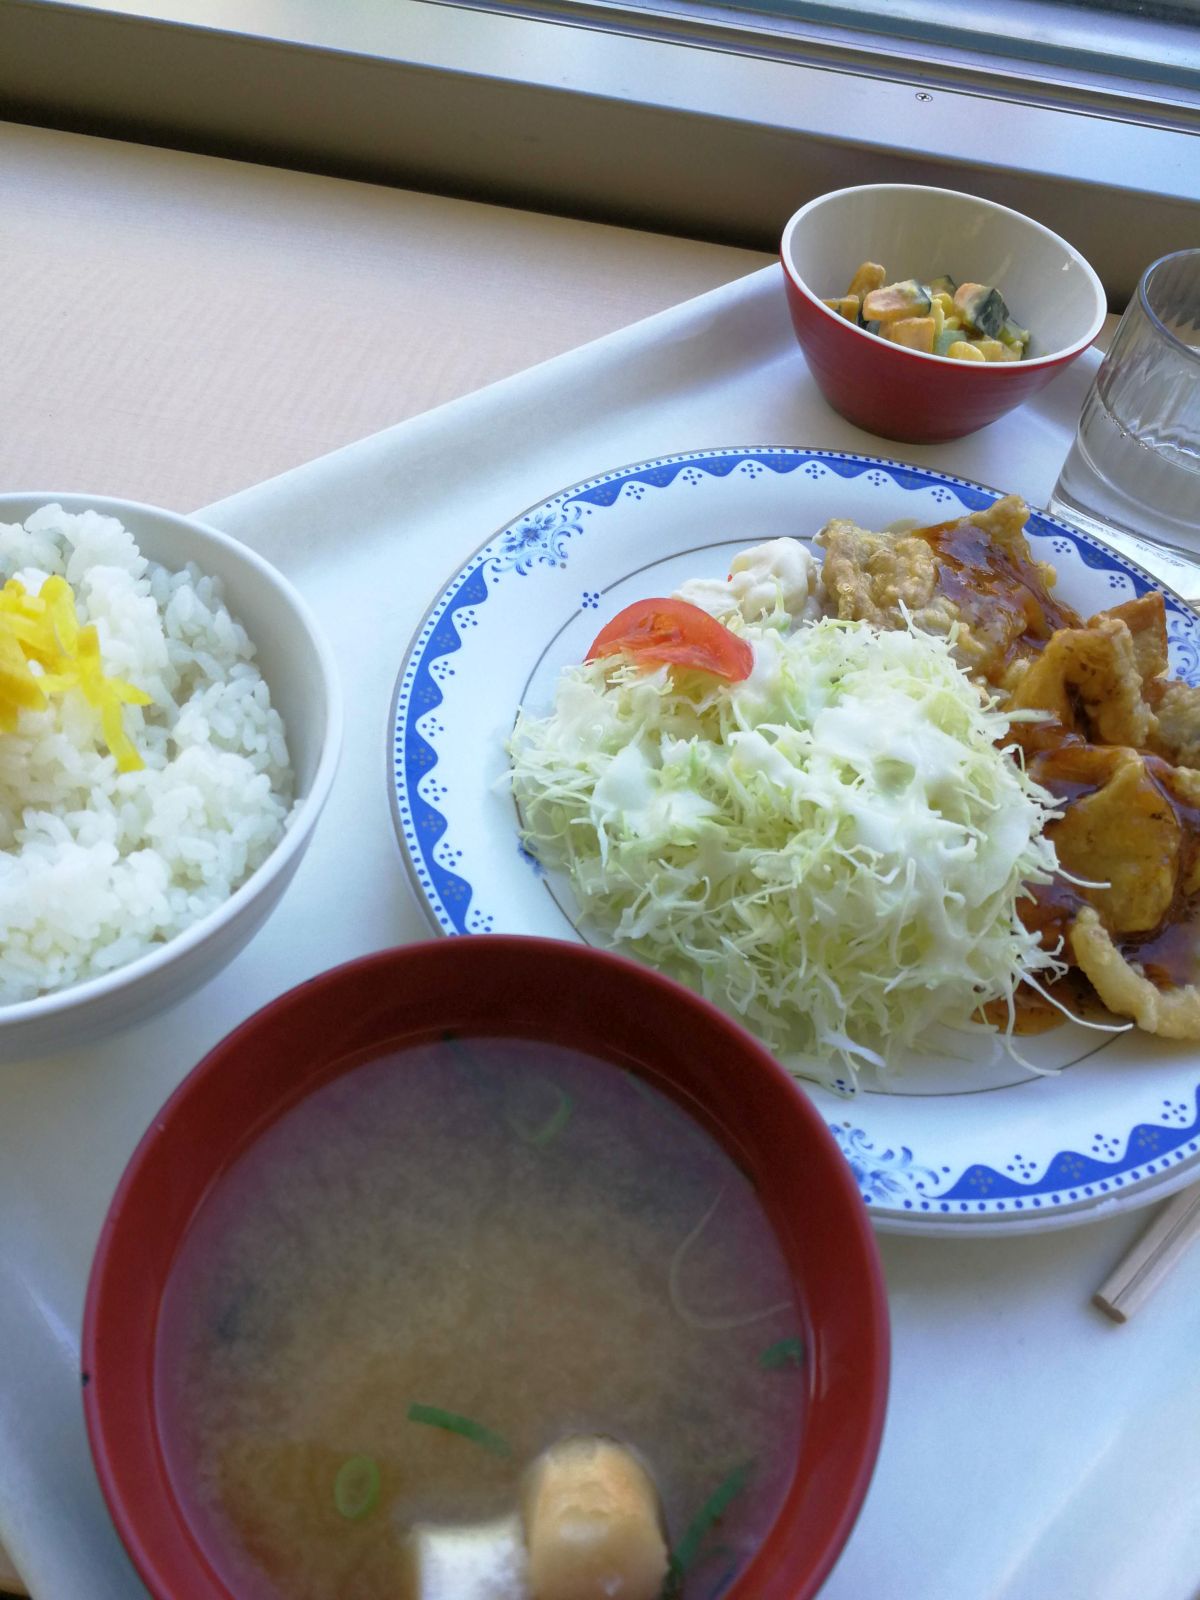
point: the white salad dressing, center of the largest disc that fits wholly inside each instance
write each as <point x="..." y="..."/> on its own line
<point x="781" y="573"/>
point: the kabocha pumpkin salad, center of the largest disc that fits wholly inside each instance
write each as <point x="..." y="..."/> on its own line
<point x="965" y="321"/>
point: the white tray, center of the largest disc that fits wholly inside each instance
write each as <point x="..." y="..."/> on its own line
<point x="1033" y="1449"/>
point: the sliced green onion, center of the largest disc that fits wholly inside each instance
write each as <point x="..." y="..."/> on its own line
<point x="356" y="1488"/>
<point x="466" y="1062"/>
<point x="435" y="1417"/>
<point x="489" y="1088"/>
<point x="544" y="1133"/>
<point x="684" y="1555"/>
<point x="784" y="1353"/>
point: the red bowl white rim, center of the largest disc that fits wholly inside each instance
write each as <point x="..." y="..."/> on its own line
<point x="1028" y="363"/>
<point x="146" y="1512"/>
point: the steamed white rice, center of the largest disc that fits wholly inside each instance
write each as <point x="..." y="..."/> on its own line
<point x="98" y="867"/>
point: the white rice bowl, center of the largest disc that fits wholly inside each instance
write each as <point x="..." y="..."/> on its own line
<point x="99" y="867"/>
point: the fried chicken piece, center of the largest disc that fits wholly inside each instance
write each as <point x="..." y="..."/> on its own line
<point x="1183" y="785"/>
<point x="1146" y="619"/>
<point x="976" y="576"/>
<point x="1004" y="523"/>
<point x="1174" y="728"/>
<point x="1089" y="679"/>
<point x="1176" y="732"/>
<point x="1125" y="989"/>
<point x="1138" y="829"/>
<point x="1124" y="834"/>
<point x="870" y="576"/>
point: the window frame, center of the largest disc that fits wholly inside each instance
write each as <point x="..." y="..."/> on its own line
<point x="699" y="132"/>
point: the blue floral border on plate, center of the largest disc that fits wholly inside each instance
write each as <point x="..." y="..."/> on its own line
<point x="892" y="1177"/>
<point x="889" y="1179"/>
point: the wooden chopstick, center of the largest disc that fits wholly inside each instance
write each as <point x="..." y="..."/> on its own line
<point x="1144" y="1267"/>
<point x="10" y="1581"/>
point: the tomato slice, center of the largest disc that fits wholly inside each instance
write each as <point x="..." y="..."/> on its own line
<point x="674" y="633"/>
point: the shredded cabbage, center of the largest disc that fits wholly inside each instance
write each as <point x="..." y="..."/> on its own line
<point x="834" y="850"/>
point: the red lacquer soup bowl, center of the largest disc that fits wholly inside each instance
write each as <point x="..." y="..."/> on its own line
<point x="923" y="233"/>
<point x="502" y="987"/>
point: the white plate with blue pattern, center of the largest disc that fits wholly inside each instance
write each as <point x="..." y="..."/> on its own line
<point x="971" y="1141"/>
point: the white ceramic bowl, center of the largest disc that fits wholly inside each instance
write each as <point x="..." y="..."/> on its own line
<point x="300" y="672"/>
<point x="918" y="232"/>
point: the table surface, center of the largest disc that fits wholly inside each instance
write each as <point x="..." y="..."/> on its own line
<point x="177" y="327"/>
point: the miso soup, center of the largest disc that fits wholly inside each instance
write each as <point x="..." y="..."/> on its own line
<point x="436" y="1267"/>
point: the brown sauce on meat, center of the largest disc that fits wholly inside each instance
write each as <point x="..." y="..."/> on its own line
<point x="1050" y="910"/>
<point x="1170" y="958"/>
<point x="1070" y="770"/>
<point x="1034" y="1013"/>
<point x="1041" y="738"/>
<point x="1001" y="592"/>
<point x="974" y="567"/>
<point x="1169" y="955"/>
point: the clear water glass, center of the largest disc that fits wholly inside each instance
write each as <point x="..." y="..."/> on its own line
<point x="1133" y="475"/>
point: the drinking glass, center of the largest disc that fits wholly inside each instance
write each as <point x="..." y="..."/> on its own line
<point x="1133" y="475"/>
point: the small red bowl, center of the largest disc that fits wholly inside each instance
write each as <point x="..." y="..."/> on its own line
<point x="534" y="988"/>
<point x="917" y="232"/>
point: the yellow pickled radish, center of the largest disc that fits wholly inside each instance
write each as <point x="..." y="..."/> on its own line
<point x="45" y="628"/>
<point x="19" y="636"/>
<point x="60" y="608"/>
<point x="18" y="687"/>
